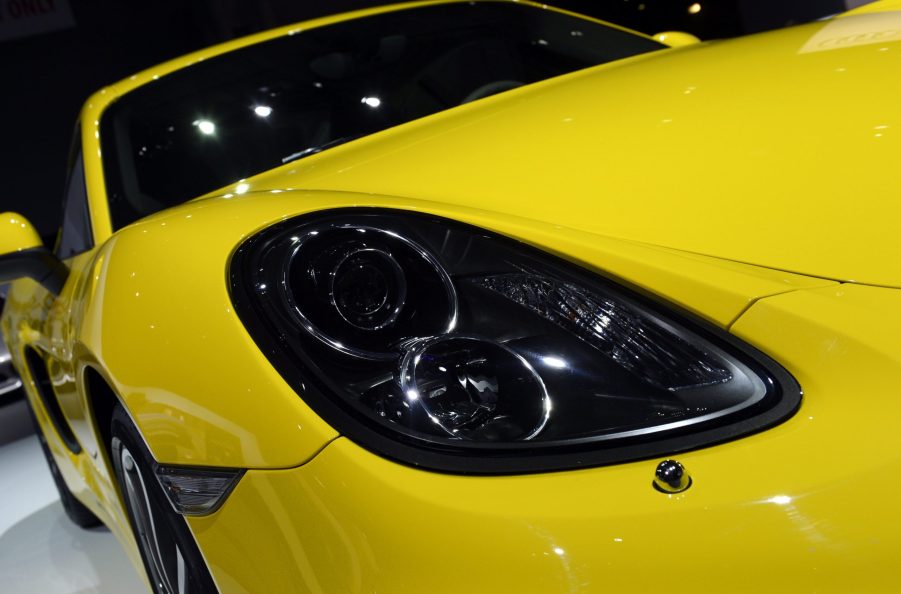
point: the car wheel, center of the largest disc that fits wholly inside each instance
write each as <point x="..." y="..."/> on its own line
<point x="76" y="511"/>
<point x="171" y="558"/>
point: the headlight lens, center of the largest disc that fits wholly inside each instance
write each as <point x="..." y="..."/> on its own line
<point x="442" y="345"/>
<point x="363" y="289"/>
<point x="473" y="389"/>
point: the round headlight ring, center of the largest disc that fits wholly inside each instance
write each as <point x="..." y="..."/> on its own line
<point x="364" y="283"/>
<point x="473" y="387"/>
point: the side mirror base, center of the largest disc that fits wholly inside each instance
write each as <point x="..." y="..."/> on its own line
<point x="36" y="263"/>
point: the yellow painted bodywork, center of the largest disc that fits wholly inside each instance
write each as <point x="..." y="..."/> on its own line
<point x="807" y="506"/>
<point x="676" y="38"/>
<point x="875" y="7"/>
<point x="748" y="182"/>
<point x="709" y="149"/>
<point x="17" y="233"/>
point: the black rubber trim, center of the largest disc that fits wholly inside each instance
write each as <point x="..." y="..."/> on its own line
<point x="36" y="263"/>
<point x="44" y="387"/>
<point x="782" y="401"/>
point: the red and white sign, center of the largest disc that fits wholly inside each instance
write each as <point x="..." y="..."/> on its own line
<point x="23" y="18"/>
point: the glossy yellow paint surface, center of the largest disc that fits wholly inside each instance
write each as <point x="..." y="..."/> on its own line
<point x="875" y="7"/>
<point x="774" y="150"/>
<point x="739" y="181"/>
<point x="220" y="402"/>
<point x="808" y="506"/>
<point x="17" y="234"/>
<point x="676" y="38"/>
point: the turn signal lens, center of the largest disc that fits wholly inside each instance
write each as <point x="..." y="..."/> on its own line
<point x="197" y="492"/>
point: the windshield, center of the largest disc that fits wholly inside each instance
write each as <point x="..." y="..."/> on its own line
<point x="227" y="118"/>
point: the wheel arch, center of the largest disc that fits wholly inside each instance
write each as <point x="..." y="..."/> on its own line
<point x="101" y="399"/>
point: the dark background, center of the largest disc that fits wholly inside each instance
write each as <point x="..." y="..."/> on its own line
<point x="46" y="77"/>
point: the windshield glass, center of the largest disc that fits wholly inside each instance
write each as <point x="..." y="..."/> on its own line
<point x="227" y="118"/>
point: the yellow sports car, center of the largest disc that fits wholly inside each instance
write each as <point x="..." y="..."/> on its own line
<point x="483" y="297"/>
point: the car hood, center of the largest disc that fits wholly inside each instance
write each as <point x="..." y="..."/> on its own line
<point x="779" y="150"/>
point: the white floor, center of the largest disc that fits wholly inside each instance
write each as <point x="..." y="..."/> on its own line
<point x="41" y="551"/>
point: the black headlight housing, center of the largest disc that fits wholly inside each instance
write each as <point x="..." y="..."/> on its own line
<point x="444" y="346"/>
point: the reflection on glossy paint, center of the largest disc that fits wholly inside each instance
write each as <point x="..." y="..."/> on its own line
<point x="264" y="111"/>
<point x="804" y="525"/>
<point x="854" y="31"/>
<point x="205" y="127"/>
<point x="554" y="362"/>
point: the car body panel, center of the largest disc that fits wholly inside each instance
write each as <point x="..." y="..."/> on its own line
<point x="803" y="519"/>
<point x="671" y="169"/>
<point x="134" y="316"/>
<point x="875" y="7"/>
<point x="86" y="474"/>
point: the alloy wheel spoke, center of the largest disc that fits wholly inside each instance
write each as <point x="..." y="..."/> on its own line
<point x="138" y="500"/>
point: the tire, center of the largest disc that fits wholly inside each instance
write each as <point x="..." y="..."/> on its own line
<point x="171" y="558"/>
<point x="75" y="510"/>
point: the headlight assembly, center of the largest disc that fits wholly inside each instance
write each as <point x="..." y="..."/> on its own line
<point x="441" y="345"/>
